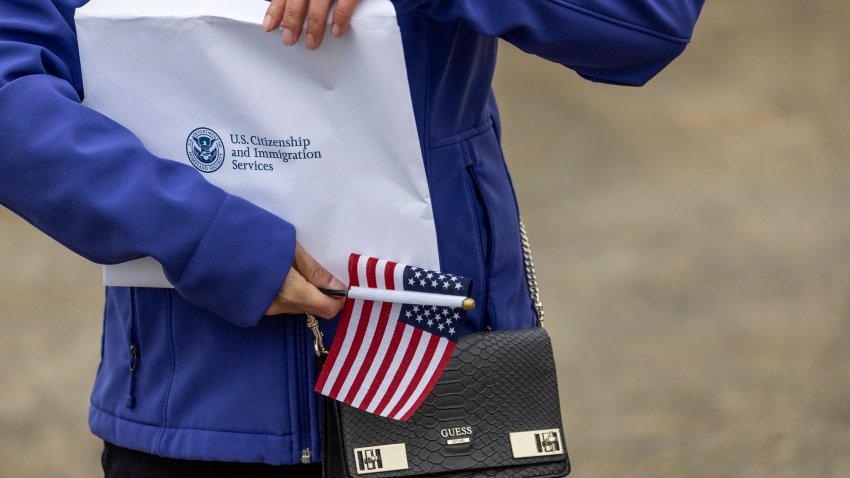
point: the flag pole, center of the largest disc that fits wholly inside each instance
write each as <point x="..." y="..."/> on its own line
<point x="403" y="297"/>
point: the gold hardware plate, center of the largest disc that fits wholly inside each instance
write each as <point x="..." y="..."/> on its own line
<point x="378" y="459"/>
<point x="537" y="443"/>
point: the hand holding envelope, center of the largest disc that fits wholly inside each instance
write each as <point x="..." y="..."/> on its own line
<point x="292" y="14"/>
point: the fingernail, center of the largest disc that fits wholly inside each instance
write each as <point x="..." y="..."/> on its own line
<point x="336" y="30"/>
<point x="288" y="36"/>
<point x="267" y="22"/>
<point x="311" y="42"/>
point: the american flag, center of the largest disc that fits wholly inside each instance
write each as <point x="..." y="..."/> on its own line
<point x="387" y="357"/>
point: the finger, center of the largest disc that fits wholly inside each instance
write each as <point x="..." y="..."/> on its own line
<point x="313" y="272"/>
<point x="274" y="15"/>
<point x="317" y="20"/>
<point x="342" y="16"/>
<point x="293" y="20"/>
<point x="281" y="304"/>
<point x="299" y="296"/>
<point x="320" y="304"/>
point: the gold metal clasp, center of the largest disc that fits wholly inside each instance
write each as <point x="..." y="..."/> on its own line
<point x="536" y="443"/>
<point x="379" y="459"/>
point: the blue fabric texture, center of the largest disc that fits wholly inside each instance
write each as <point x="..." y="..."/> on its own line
<point x="197" y="372"/>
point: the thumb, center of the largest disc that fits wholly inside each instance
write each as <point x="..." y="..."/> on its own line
<point x="314" y="272"/>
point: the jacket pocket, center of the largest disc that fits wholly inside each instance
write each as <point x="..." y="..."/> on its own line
<point x="460" y="216"/>
<point x="116" y="375"/>
<point x="478" y="205"/>
<point x="508" y="305"/>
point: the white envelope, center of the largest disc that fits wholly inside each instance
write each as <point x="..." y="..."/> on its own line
<point x="325" y="139"/>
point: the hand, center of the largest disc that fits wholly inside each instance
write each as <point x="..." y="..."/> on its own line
<point x="292" y="12"/>
<point x="300" y="294"/>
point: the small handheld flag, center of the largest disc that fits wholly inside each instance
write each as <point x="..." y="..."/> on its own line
<point x="398" y="330"/>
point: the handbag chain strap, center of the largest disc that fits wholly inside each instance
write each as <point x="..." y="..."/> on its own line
<point x="530" y="274"/>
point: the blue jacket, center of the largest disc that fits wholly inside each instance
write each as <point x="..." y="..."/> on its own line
<point x="197" y="372"/>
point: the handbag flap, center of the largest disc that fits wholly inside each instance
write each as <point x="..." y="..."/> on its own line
<point x="495" y="407"/>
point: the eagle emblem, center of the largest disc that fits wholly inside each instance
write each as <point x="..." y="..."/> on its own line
<point x="205" y="150"/>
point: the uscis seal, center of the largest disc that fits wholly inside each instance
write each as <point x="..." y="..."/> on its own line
<point x="205" y="150"/>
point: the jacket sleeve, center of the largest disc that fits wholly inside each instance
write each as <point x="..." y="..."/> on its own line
<point x="90" y="184"/>
<point x="613" y="41"/>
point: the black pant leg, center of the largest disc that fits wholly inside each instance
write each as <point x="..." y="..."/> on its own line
<point x="120" y="462"/>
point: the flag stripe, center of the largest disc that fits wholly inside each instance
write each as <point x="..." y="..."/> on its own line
<point x="345" y="344"/>
<point x="371" y="334"/>
<point x="424" y="378"/>
<point x="399" y="374"/>
<point x="389" y="318"/>
<point x="447" y="355"/>
<point x="362" y="322"/>
<point x="353" y="267"/>
<point x="372" y="359"/>
<point x="348" y="328"/>
<point x="348" y="310"/>
<point x="371" y="272"/>
<point x="414" y="375"/>
<point x="351" y="352"/>
<point x="398" y="345"/>
<point x="375" y="335"/>
<point x="390" y="274"/>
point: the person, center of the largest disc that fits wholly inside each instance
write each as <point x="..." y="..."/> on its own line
<point x="214" y="376"/>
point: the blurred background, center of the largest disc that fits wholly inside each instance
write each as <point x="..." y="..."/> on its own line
<point x="693" y="243"/>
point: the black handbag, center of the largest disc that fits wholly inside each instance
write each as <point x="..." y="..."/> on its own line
<point x="493" y="413"/>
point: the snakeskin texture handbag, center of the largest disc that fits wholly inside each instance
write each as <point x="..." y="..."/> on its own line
<point x="493" y="413"/>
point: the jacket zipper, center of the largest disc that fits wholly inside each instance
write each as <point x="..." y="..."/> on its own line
<point x="303" y="394"/>
<point x="134" y="351"/>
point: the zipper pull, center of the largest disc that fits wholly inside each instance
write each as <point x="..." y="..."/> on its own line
<point x="134" y="357"/>
<point x="306" y="456"/>
<point x="134" y="362"/>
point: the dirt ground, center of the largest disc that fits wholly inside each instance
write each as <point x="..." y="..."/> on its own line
<point x="693" y="244"/>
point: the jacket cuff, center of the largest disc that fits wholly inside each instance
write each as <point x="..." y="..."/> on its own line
<point x="240" y="262"/>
